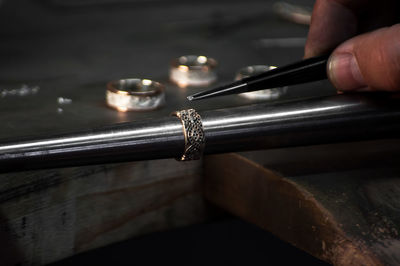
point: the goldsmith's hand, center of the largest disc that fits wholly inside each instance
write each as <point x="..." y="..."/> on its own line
<point x="368" y="61"/>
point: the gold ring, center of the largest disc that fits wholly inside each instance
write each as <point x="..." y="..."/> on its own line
<point x="193" y="70"/>
<point x="193" y="132"/>
<point x="135" y="95"/>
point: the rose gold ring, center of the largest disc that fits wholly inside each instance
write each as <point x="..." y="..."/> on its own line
<point x="194" y="134"/>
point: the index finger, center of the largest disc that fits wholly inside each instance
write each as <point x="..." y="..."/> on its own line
<point x="332" y="22"/>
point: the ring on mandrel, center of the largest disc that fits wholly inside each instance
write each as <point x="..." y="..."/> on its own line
<point x="135" y="95"/>
<point x="194" y="134"/>
<point x="193" y="70"/>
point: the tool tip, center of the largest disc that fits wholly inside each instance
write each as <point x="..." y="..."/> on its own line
<point x="190" y="98"/>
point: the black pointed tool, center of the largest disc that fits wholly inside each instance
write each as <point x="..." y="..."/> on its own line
<point x="311" y="69"/>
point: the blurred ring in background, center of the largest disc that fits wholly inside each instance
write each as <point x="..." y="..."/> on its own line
<point x="193" y="70"/>
<point x="135" y="95"/>
<point x="268" y="94"/>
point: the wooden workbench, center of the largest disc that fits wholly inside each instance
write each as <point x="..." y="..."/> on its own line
<point x="339" y="202"/>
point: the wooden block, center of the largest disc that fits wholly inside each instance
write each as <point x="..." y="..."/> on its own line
<point x="343" y="212"/>
<point x="48" y="215"/>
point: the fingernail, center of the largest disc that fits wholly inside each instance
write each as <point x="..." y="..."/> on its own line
<point x="344" y="72"/>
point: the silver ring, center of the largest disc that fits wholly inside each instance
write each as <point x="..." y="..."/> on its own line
<point x="269" y="94"/>
<point x="193" y="70"/>
<point x="135" y="94"/>
<point x="194" y="134"/>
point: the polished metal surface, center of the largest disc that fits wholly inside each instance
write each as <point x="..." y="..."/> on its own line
<point x="157" y="138"/>
<point x="314" y="121"/>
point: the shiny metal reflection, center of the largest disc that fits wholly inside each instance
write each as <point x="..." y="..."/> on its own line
<point x="314" y="121"/>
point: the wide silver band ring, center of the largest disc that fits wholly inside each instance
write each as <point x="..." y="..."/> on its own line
<point x="135" y="94"/>
<point x="193" y="132"/>
<point x="268" y="94"/>
<point x="193" y="70"/>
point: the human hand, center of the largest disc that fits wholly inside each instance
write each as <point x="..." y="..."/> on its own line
<point x="369" y="61"/>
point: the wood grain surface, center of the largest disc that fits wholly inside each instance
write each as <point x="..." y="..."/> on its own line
<point x="49" y="215"/>
<point x="339" y="202"/>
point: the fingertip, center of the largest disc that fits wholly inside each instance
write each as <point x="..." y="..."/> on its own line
<point x="344" y="72"/>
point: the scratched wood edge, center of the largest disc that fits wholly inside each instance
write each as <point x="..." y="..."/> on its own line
<point x="281" y="207"/>
<point x="49" y="215"/>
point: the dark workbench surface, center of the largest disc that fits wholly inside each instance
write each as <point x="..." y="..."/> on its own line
<point x="72" y="50"/>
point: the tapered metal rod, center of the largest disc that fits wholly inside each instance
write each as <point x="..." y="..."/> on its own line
<point x="315" y="121"/>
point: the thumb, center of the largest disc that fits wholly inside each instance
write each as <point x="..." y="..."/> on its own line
<point x="369" y="61"/>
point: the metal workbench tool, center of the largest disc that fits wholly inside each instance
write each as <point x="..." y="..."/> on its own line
<point x="315" y="121"/>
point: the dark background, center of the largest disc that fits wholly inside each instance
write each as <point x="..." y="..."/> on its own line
<point x="226" y="242"/>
